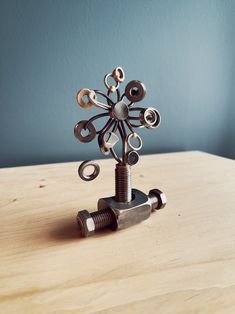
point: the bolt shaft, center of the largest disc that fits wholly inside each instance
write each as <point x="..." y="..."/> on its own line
<point x="103" y="218"/>
<point x="123" y="183"/>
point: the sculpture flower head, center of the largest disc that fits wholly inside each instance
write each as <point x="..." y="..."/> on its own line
<point x="121" y="123"/>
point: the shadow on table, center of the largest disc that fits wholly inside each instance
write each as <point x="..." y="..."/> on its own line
<point x="68" y="230"/>
<point x="65" y="230"/>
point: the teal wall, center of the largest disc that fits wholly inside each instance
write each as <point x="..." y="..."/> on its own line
<point x="184" y="52"/>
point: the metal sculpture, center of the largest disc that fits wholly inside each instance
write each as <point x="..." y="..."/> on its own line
<point x="128" y="206"/>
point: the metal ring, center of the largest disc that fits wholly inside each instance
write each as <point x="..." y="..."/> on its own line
<point x="83" y="125"/>
<point x="111" y="88"/>
<point x="83" y="166"/>
<point x="150" y="118"/>
<point x="81" y="102"/>
<point x="118" y="74"/>
<point x="135" y="135"/>
<point x="135" y="91"/>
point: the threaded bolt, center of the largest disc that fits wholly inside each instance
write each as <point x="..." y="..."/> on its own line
<point x="123" y="183"/>
<point x="91" y="222"/>
<point x="103" y="218"/>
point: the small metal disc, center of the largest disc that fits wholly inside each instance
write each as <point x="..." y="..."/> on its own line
<point x="132" y="157"/>
<point x="120" y="111"/>
<point x="83" y="166"/>
<point x="80" y="126"/>
<point x="135" y="91"/>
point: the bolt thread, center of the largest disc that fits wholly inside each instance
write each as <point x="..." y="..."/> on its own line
<point x="123" y="183"/>
<point x="102" y="218"/>
<point x="154" y="201"/>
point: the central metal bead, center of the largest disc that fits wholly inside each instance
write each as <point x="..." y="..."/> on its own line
<point x="120" y="111"/>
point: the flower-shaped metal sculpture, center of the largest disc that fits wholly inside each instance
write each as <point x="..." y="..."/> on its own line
<point x="128" y="206"/>
<point x="121" y="122"/>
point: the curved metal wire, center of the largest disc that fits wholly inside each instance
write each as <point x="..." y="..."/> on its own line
<point x="133" y="118"/>
<point x="118" y="96"/>
<point x="115" y="156"/>
<point x="113" y="125"/>
<point x="125" y="144"/>
<point x="106" y="127"/>
<point x="130" y="104"/>
<point x="140" y="126"/>
<point x="129" y="125"/>
<point x="122" y="132"/>
<point x="136" y="108"/>
<point x="123" y="95"/>
<point x="109" y="100"/>
<point x="100" y="105"/>
<point x="95" y="118"/>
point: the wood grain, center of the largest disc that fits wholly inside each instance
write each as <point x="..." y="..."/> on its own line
<point x="181" y="260"/>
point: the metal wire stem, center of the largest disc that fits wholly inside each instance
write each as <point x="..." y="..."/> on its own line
<point x="115" y="156"/>
<point x="123" y="143"/>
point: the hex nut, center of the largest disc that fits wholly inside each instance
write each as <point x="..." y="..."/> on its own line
<point x="86" y="223"/>
<point x="158" y="199"/>
<point x="127" y="213"/>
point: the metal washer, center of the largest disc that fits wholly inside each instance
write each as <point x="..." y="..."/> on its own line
<point x="84" y="92"/>
<point x="135" y="91"/>
<point x="80" y="126"/>
<point x="83" y="166"/>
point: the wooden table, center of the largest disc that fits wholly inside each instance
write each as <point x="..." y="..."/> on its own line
<point x="181" y="260"/>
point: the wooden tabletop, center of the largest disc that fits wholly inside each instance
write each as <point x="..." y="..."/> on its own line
<point x="180" y="260"/>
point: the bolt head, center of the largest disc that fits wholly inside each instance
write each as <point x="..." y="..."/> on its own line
<point x="86" y="223"/>
<point x="161" y="197"/>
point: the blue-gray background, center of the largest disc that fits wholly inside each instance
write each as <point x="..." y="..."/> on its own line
<point x="184" y="52"/>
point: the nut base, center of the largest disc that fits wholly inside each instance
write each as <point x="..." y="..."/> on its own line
<point x="128" y="213"/>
